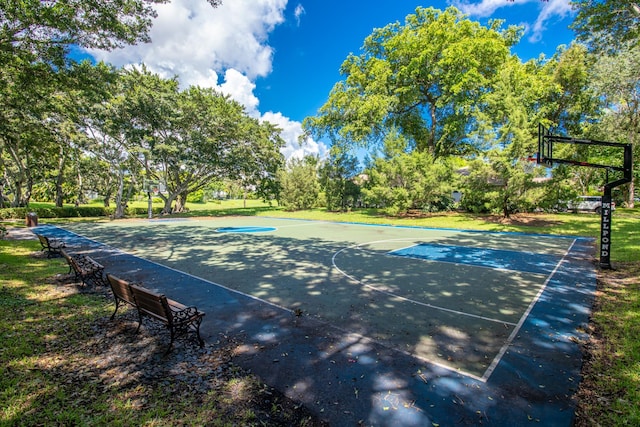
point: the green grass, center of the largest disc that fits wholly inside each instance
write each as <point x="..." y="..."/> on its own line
<point x="610" y="392"/>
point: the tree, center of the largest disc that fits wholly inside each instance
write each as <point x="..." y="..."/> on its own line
<point x="25" y="131"/>
<point x="607" y="25"/>
<point x="299" y="183"/>
<point x="498" y="184"/>
<point x="427" y="78"/>
<point x="188" y="138"/>
<point x="337" y="176"/>
<point x="35" y="39"/>
<point x="616" y="78"/>
<point x="402" y="179"/>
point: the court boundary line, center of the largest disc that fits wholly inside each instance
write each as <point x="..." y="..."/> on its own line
<point x="115" y="250"/>
<point x="333" y="263"/>
<point x="409" y="300"/>
<point x="421" y="227"/>
<point x="496" y="361"/>
<point x="517" y="326"/>
<point x="489" y="370"/>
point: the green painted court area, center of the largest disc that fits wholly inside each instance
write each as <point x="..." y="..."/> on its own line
<point x="452" y="298"/>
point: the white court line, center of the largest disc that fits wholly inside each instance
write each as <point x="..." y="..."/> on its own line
<point x="115" y="250"/>
<point x="347" y="332"/>
<point x="515" y="332"/>
<point x="424" y="304"/>
<point x="517" y="327"/>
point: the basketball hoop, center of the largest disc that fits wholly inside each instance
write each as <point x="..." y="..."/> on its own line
<point x="152" y="188"/>
<point x="546" y="140"/>
<point x="529" y="163"/>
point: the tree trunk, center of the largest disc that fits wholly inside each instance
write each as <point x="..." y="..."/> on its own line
<point x="119" y="213"/>
<point x="80" y="199"/>
<point x="60" y="177"/>
<point x="505" y="203"/>
<point x="181" y="203"/>
<point x="107" y="199"/>
<point x="168" y="201"/>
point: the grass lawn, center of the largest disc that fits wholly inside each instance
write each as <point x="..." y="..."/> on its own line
<point x="53" y="337"/>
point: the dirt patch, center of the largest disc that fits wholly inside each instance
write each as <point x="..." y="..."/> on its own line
<point x="521" y="219"/>
<point x="528" y="219"/>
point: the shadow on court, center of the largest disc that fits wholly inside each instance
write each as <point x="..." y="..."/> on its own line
<point x="394" y="341"/>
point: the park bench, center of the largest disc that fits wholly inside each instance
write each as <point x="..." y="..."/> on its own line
<point x="85" y="268"/>
<point x="178" y="318"/>
<point x="51" y="245"/>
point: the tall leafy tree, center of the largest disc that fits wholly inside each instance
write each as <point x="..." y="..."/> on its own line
<point x="555" y="93"/>
<point x="616" y="78"/>
<point x="607" y="25"/>
<point x="189" y="138"/>
<point x="428" y="78"/>
<point x="35" y="39"/>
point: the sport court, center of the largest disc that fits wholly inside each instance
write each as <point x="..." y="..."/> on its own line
<point x="457" y="301"/>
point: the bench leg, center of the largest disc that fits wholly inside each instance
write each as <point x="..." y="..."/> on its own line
<point x="116" y="310"/>
<point x="183" y="329"/>
<point x="94" y="278"/>
<point x="173" y="335"/>
<point x="139" y="321"/>
<point x="197" y="329"/>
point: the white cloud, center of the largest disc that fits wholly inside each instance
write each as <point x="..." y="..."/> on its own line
<point x="201" y="44"/>
<point x="548" y="11"/>
<point x="553" y="10"/>
<point x="190" y="38"/>
<point x="298" y="13"/>
<point x="240" y="88"/>
<point x="291" y="131"/>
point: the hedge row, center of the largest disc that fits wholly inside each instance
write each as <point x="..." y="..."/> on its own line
<point x="71" y="212"/>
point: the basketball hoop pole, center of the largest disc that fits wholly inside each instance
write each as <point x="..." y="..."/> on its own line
<point x="150" y="205"/>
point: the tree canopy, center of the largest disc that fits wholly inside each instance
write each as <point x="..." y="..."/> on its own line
<point x="439" y="101"/>
<point x="606" y="25"/>
<point x="428" y="78"/>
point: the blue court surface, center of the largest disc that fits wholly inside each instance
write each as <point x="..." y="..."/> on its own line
<point x="492" y="258"/>
<point x="376" y="325"/>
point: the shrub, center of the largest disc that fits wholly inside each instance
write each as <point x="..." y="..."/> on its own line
<point x="54" y="212"/>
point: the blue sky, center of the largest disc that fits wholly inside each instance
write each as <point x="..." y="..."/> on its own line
<point x="281" y="58"/>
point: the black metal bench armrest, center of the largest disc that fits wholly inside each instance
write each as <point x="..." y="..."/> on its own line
<point x="185" y="315"/>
